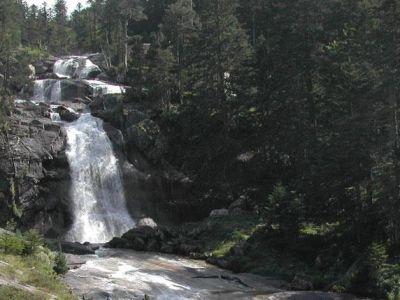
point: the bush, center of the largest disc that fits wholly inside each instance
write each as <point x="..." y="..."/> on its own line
<point x="12" y="244"/>
<point x="25" y="244"/>
<point x="388" y="281"/>
<point x="33" y="240"/>
<point x="284" y="208"/>
<point x="60" y="264"/>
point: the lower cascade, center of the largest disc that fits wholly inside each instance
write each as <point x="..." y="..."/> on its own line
<point x="99" y="206"/>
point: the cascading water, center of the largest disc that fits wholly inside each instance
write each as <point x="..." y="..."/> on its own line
<point x="48" y="90"/>
<point x="98" y="201"/>
<point x="103" y="88"/>
<point x="97" y="192"/>
<point x="75" y="67"/>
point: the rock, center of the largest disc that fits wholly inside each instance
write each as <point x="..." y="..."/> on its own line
<point x="34" y="172"/>
<point x="138" y="244"/>
<point x="117" y="242"/>
<point x="66" y="114"/>
<point x="99" y="59"/>
<point x="41" y="68"/>
<point x="72" y="89"/>
<point x="187" y="249"/>
<point x="220" y="262"/>
<point x="152" y="245"/>
<point x="301" y="283"/>
<point x="76" y="248"/>
<point x="167" y="248"/>
<point x="103" y="76"/>
<point x="133" y="117"/>
<point x="143" y="232"/>
<point x="147" y="222"/>
<point x="146" y="136"/>
<point x="216" y="213"/>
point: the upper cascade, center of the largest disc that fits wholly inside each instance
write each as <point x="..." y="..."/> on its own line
<point x="76" y="67"/>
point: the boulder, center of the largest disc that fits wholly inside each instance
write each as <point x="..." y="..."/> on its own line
<point x="41" y="68"/>
<point x="133" y="117"/>
<point x="152" y="245"/>
<point x="72" y="89"/>
<point x="217" y="213"/>
<point x="138" y="244"/>
<point x="77" y="248"/>
<point x="66" y="114"/>
<point x="143" y="232"/>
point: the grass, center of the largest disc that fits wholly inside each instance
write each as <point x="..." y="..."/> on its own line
<point x="33" y="270"/>
<point x="12" y="293"/>
<point x="267" y="253"/>
<point x="27" y="267"/>
<point x="225" y="232"/>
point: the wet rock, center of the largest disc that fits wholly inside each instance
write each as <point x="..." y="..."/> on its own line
<point x="103" y="76"/>
<point x="301" y="283"/>
<point x="216" y="213"/>
<point x="72" y="89"/>
<point x="77" y="248"/>
<point x="66" y="114"/>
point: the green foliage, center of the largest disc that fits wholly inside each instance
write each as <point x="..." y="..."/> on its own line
<point x="21" y="244"/>
<point x="60" y="263"/>
<point x="284" y="209"/>
<point x="33" y="241"/>
<point x="12" y="244"/>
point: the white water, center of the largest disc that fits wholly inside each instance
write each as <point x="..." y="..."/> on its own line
<point x="47" y="90"/>
<point x="74" y="67"/>
<point x="104" y="88"/>
<point x="98" y="198"/>
<point x="97" y="193"/>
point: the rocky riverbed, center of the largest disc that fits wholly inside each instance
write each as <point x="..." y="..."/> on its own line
<point x="126" y="274"/>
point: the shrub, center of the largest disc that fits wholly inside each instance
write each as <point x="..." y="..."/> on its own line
<point x="33" y="240"/>
<point x="60" y="264"/>
<point x="12" y="244"/>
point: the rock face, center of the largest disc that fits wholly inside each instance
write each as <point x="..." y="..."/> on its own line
<point x="34" y="172"/>
<point x="152" y="187"/>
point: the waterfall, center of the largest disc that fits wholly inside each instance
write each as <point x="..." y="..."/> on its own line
<point x="97" y="193"/>
<point x="48" y="90"/>
<point x="75" y="67"/>
<point x="103" y="88"/>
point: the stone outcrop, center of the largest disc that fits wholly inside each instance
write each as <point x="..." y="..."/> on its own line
<point x="34" y="172"/>
<point x="152" y="187"/>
